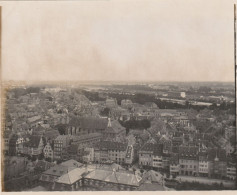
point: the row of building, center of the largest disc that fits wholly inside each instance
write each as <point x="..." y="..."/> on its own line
<point x="186" y="160"/>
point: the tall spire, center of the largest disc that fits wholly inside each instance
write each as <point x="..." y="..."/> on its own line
<point x="109" y="122"/>
<point x="216" y="159"/>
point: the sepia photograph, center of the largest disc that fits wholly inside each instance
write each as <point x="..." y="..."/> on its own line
<point x="105" y="95"/>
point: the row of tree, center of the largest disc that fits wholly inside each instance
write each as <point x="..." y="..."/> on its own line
<point x="136" y="124"/>
<point x="23" y="91"/>
<point x="162" y="104"/>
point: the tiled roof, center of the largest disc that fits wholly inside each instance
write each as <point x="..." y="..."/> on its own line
<point x="175" y="149"/>
<point x="111" y="167"/>
<point x="174" y="158"/>
<point x="72" y="176"/>
<point x="58" y="170"/>
<point x="219" y="153"/>
<point x="51" y="134"/>
<point x="7" y="134"/>
<point x="34" y="118"/>
<point x="62" y="137"/>
<point x="38" y="189"/>
<point x="84" y="137"/>
<point x="89" y="122"/>
<point x="33" y="142"/>
<point x="73" y="148"/>
<point x="153" y="176"/>
<point x="151" y="187"/>
<point x="13" y="139"/>
<point x="109" y="145"/>
<point x="156" y="149"/>
<point x="43" y="165"/>
<point x="72" y="163"/>
<point x="188" y="152"/>
<point x="114" y="177"/>
<point x="150" y="104"/>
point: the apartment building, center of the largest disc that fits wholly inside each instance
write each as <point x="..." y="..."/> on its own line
<point x="110" y="151"/>
<point x="60" y="144"/>
<point x="188" y="160"/>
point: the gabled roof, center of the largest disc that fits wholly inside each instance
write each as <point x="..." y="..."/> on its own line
<point x="109" y="145"/>
<point x="73" y="148"/>
<point x="153" y="176"/>
<point x="188" y="152"/>
<point x="72" y="163"/>
<point x="34" y="119"/>
<point x="89" y="122"/>
<point x="72" y="176"/>
<point x="111" y="167"/>
<point x="7" y="134"/>
<point x="150" y="104"/>
<point x="151" y="187"/>
<point x="58" y="170"/>
<point x="43" y="165"/>
<point x="214" y="153"/>
<point x="114" y="177"/>
<point x="156" y="149"/>
<point x="79" y="138"/>
<point x="51" y="134"/>
<point x="33" y="142"/>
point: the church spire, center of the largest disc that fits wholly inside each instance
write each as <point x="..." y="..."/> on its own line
<point x="216" y="159"/>
<point x="109" y="122"/>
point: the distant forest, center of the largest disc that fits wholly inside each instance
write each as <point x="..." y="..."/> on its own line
<point x="23" y="91"/>
<point x="162" y="104"/>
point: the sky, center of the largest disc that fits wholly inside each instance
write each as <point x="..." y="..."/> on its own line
<point x="162" y="40"/>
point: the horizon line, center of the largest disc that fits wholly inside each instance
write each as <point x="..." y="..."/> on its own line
<point x="106" y="81"/>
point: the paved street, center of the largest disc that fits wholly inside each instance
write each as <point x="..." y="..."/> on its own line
<point x="206" y="180"/>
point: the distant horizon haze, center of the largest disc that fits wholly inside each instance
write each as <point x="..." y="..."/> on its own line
<point x="147" y="41"/>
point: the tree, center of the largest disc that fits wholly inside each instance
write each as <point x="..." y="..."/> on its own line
<point x="48" y="159"/>
<point x="33" y="158"/>
<point x="61" y="128"/>
<point x="134" y="170"/>
<point x="105" y="112"/>
<point x="41" y="156"/>
<point x="145" y="123"/>
<point x="233" y="140"/>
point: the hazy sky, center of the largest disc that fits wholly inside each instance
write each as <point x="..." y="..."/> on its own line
<point x="182" y="40"/>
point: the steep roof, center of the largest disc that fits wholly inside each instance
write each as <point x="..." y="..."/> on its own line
<point x="84" y="137"/>
<point x="114" y="177"/>
<point x="219" y="153"/>
<point x="58" y="170"/>
<point x="7" y="134"/>
<point x="51" y="134"/>
<point x="73" y="148"/>
<point x="188" y="152"/>
<point x="89" y="122"/>
<point x="111" y="167"/>
<point x="72" y="163"/>
<point x="156" y="149"/>
<point x="151" y="187"/>
<point x="34" y="119"/>
<point x="114" y="128"/>
<point x="33" y="142"/>
<point x="72" y="176"/>
<point x="43" y="165"/>
<point x="109" y="145"/>
<point x="150" y="104"/>
<point x="153" y="176"/>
